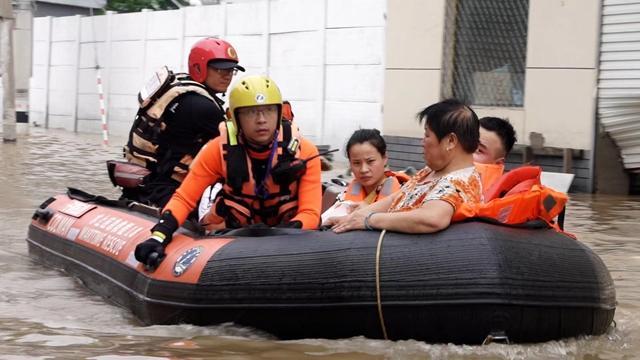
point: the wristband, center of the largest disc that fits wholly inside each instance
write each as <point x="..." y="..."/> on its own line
<point x="366" y="221"/>
<point x="157" y="235"/>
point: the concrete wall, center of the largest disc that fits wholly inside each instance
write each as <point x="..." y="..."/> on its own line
<point x="415" y="30"/>
<point x="561" y="70"/>
<point x="326" y="56"/>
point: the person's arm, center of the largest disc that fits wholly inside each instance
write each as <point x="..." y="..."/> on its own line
<point x="434" y="215"/>
<point x="205" y="170"/>
<point x="309" y="189"/>
<point x="362" y="210"/>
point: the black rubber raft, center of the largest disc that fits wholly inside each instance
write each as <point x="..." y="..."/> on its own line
<point x="468" y="283"/>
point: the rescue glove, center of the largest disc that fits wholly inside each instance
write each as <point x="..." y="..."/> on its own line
<point x="151" y="251"/>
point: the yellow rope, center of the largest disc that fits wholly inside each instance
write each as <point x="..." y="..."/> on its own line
<point x="384" y="329"/>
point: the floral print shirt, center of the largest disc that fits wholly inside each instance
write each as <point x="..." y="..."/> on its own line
<point x="460" y="186"/>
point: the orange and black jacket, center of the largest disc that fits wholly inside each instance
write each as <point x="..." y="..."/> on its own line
<point x="210" y="167"/>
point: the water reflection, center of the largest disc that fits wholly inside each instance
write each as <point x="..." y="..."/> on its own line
<point x="44" y="313"/>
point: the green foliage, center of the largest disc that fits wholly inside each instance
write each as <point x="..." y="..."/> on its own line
<point x="123" y="6"/>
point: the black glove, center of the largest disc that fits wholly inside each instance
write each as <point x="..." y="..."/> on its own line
<point x="295" y="224"/>
<point x="151" y="251"/>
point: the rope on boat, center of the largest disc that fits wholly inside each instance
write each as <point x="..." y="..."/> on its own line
<point x="378" y="250"/>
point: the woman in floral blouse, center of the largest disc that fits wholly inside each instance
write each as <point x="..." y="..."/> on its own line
<point x="428" y="201"/>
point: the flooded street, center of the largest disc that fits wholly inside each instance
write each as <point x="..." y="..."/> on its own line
<point x="47" y="314"/>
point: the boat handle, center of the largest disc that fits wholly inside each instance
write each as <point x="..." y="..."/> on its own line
<point x="497" y="337"/>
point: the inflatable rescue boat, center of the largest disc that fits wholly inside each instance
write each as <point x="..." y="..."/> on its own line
<point x="471" y="283"/>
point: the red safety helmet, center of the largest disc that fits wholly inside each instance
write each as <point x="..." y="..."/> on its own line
<point x="211" y="49"/>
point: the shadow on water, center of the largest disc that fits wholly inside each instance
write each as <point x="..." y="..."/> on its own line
<point x="44" y="313"/>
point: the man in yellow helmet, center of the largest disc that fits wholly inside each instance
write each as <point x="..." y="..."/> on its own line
<point x="270" y="174"/>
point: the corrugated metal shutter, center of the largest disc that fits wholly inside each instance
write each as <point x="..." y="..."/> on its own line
<point x="619" y="77"/>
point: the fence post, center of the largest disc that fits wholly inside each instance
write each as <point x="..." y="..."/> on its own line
<point x="76" y="86"/>
<point x="47" y="76"/>
<point x="8" y="78"/>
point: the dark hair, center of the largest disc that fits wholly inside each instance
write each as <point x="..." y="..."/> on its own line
<point x="372" y="136"/>
<point x="452" y="116"/>
<point x="503" y="129"/>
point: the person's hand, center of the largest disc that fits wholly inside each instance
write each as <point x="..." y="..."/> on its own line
<point x="150" y="252"/>
<point x="353" y="221"/>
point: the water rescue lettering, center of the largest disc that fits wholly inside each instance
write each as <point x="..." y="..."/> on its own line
<point x="60" y="224"/>
<point x="109" y="233"/>
<point x="107" y="242"/>
<point x="116" y="225"/>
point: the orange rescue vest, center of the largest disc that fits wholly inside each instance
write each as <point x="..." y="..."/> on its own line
<point x="517" y="197"/>
<point x="392" y="183"/>
<point x="238" y="203"/>
<point x="489" y="173"/>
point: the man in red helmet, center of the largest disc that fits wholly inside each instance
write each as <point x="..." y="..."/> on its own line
<point x="187" y="112"/>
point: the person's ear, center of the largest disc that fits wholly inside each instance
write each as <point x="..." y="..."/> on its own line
<point x="499" y="161"/>
<point x="452" y="141"/>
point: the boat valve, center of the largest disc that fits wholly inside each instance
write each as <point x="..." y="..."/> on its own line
<point x="42" y="215"/>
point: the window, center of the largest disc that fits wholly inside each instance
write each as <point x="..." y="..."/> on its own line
<point x="485" y="51"/>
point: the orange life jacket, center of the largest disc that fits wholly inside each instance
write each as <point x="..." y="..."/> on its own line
<point x="242" y="206"/>
<point x="489" y="173"/>
<point x="392" y="183"/>
<point x="517" y="198"/>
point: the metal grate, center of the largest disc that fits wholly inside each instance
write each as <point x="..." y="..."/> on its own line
<point x="485" y="51"/>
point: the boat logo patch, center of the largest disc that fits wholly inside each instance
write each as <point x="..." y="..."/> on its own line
<point x="185" y="260"/>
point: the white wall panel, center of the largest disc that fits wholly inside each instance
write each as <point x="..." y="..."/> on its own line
<point x="88" y="106"/>
<point x="93" y="28"/>
<point x="164" y="24"/>
<point x="251" y="49"/>
<point x="355" y="13"/>
<point x="59" y="103"/>
<point x="350" y="116"/>
<point x="296" y="49"/>
<point x="129" y="26"/>
<point x="355" y="46"/>
<point x="126" y="81"/>
<point x="308" y="119"/>
<point x="126" y="54"/>
<point x="40" y="29"/>
<point x="298" y="82"/>
<point x="87" y="82"/>
<point x="296" y="15"/>
<point x="159" y="53"/>
<point x="62" y="78"/>
<point x="88" y="54"/>
<point x="246" y="18"/>
<point x="64" y="28"/>
<point x="63" y="53"/>
<point x="204" y="21"/>
<point x="354" y="83"/>
<point x="38" y="77"/>
<point x="37" y="100"/>
<point x="40" y="53"/>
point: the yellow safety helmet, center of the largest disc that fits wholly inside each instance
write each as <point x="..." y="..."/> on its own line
<point x="253" y="90"/>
